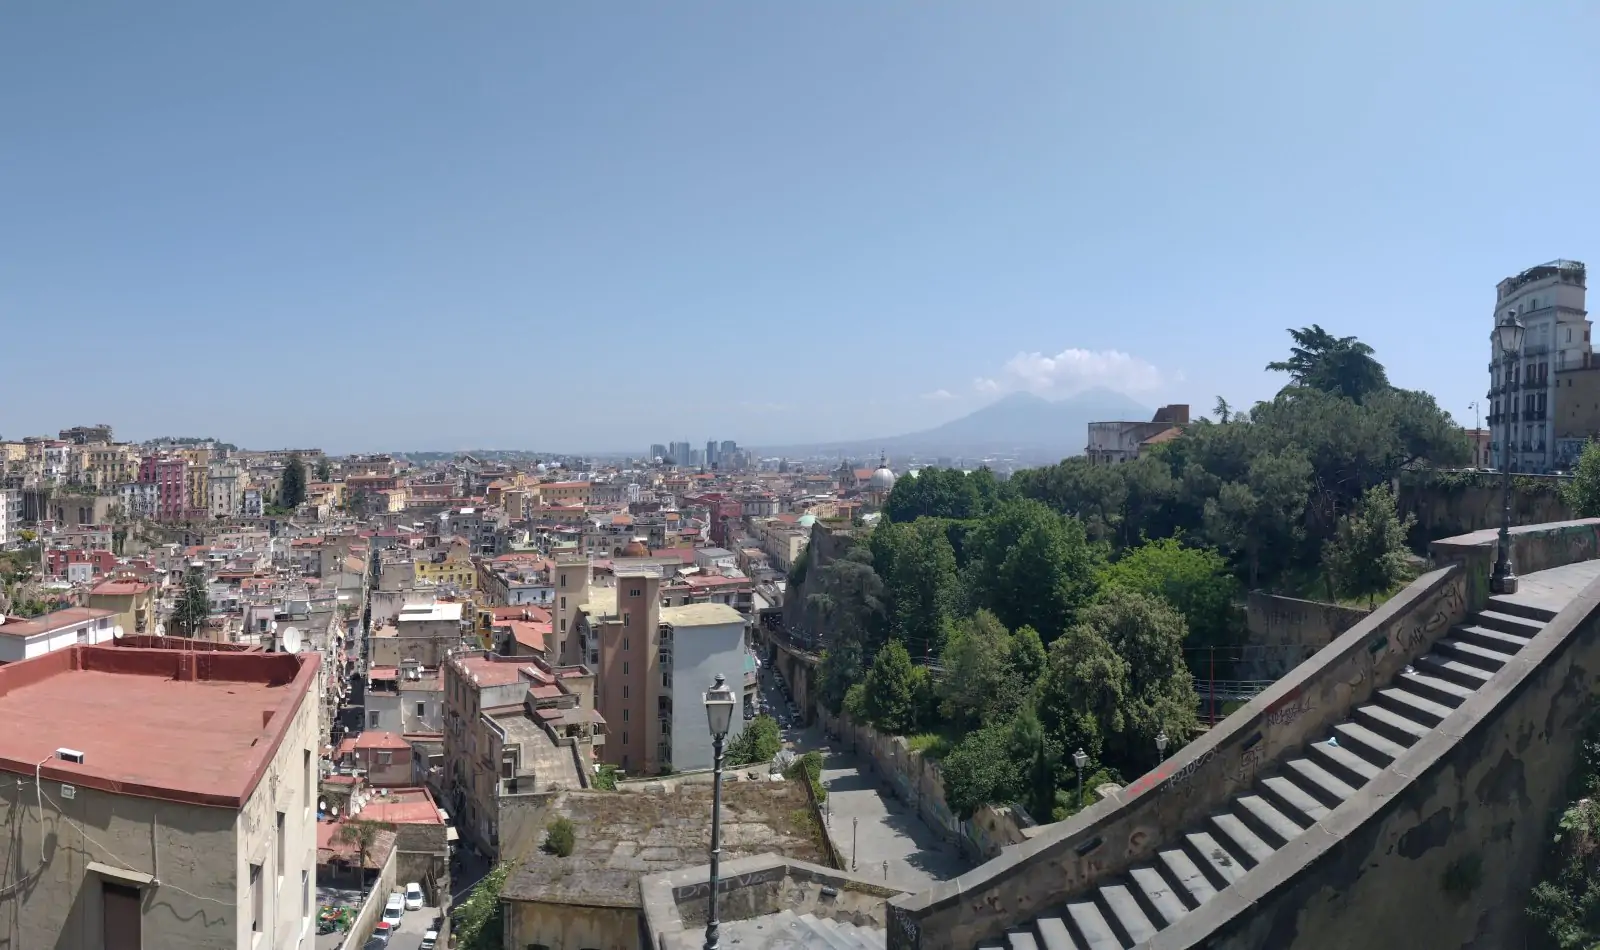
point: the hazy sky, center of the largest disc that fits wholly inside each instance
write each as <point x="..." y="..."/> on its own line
<point x="577" y="225"/>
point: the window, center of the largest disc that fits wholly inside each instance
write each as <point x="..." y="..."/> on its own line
<point x="283" y="847"/>
<point x="624" y="667"/>
<point x="624" y="742"/>
<point x="624" y="714"/>
<point x="624" y="691"/>
<point x="627" y="619"/>
<point x="635" y="591"/>
<point x="563" y="603"/>
<point x="257" y="899"/>
<point x="372" y="720"/>
<point x="422" y="710"/>
<point x="563" y="625"/>
<point x="625" y="643"/>
<point x="385" y="757"/>
<point x="561" y="580"/>
<point x="305" y="894"/>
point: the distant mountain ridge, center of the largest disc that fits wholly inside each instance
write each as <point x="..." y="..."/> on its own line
<point x="1020" y="423"/>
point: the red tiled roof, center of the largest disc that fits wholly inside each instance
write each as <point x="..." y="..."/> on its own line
<point x="528" y="634"/>
<point x="378" y="739"/>
<point x="120" y="588"/>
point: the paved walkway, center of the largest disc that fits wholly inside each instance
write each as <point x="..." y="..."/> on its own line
<point x="1553" y="589"/>
<point x="870" y="823"/>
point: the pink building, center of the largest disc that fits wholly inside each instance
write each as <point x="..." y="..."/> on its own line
<point x="171" y="478"/>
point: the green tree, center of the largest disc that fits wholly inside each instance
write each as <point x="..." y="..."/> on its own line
<point x="324" y="470"/>
<point x="980" y="771"/>
<point x="1261" y="514"/>
<point x="1031" y="567"/>
<point x="292" y="487"/>
<point x="361" y="835"/>
<point x="846" y="601"/>
<point x="979" y="684"/>
<point x="1035" y="758"/>
<point x="842" y="666"/>
<point x="1367" y="554"/>
<point x="1343" y="366"/>
<point x="1081" y="696"/>
<point x="1158" y="695"/>
<point x="758" y="742"/>
<point x="890" y="694"/>
<point x="918" y="568"/>
<point x="935" y="493"/>
<point x="1028" y="658"/>
<point x="193" y="604"/>
<point x="1196" y="581"/>
<point x="1583" y="491"/>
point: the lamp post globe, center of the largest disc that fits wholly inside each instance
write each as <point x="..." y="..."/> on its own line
<point x="1161" y="744"/>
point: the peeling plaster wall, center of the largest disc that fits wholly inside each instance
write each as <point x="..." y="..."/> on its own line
<point x="1480" y="792"/>
<point x="1061" y="860"/>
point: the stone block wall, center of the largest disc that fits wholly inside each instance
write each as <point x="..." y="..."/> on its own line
<point x="1291" y="630"/>
<point x="1446" y="510"/>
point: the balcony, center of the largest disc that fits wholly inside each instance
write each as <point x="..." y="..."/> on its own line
<point x="1533" y="415"/>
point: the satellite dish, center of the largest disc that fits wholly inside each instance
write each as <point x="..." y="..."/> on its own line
<point x="117" y="631"/>
<point x="291" y="639"/>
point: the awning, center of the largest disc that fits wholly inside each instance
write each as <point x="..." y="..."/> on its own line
<point x="136" y="878"/>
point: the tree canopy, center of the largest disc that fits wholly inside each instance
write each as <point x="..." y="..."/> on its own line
<point x="292" y="486"/>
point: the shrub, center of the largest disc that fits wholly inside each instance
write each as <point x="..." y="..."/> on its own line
<point x="560" y="837"/>
<point x="809" y="766"/>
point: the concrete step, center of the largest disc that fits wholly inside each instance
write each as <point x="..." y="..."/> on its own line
<point x="1525" y="627"/>
<point x="1418" y="709"/>
<point x="1021" y="940"/>
<point x="1345" y="765"/>
<point x="1188" y="881"/>
<point x="1391" y="725"/>
<point x="1090" y="928"/>
<point x="845" y="930"/>
<point x="821" y="935"/>
<point x="1368" y="744"/>
<point x="1323" y="785"/>
<point x="1121" y="910"/>
<point x="1220" y="867"/>
<point x="1443" y="691"/>
<point x="1296" y="803"/>
<point x="1052" y="932"/>
<point x="1470" y="653"/>
<point x="1508" y="604"/>
<point x="1160" y="900"/>
<point x="1449" y="668"/>
<point x="1241" y="842"/>
<point x="1262" y="817"/>
<point x="1508" y="643"/>
<point x="874" y="937"/>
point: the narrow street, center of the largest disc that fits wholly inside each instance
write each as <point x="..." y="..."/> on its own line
<point x="884" y="837"/>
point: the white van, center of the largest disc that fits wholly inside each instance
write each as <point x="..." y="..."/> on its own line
<point x="395" y="909"/>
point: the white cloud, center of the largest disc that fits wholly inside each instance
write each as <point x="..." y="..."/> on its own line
<point x="1074" y="370"/>
<point x="939" y="395"/>
<point x="985" y="385"/>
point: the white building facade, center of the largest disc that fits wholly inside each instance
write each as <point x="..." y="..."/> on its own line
<point x="1550" y="301"/>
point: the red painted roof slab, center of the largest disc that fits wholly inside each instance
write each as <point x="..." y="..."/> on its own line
<point x="196" y="727"/>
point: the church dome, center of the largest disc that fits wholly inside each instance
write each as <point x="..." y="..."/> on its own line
<point x="636" y="548"/>
<point x="883" y="479"/>
<point x="806" y="520"/>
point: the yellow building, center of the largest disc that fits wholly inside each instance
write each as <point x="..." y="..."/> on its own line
<point x="132" y="601"/>
<point x="564" y="493"/>
<point x="453" y="566"/>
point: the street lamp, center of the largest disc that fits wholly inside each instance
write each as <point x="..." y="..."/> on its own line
<point x="1161" y="744"/>
<point x="1508" y="335"/>
<point x="719" y="716"/>
<point x="1080" y="759"/>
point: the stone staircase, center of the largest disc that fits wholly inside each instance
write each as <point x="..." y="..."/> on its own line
<point x="1126" y="910"/>
<point x="809" y="930"/>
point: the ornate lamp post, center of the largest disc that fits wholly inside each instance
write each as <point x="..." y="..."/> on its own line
<point x="1508" y="335"/>
<point x="1161" y="744"/>
<point x="1080" y="759"/>
<point x="719" y="716"/>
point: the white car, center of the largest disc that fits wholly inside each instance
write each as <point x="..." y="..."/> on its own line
<point x="430" y="940"/>
<point x="413" y="896"/>
<point x="394" y="910"/>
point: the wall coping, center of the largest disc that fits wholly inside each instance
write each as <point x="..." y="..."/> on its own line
<point x="659" y="892"/>
<point x="1084" y="830"/>
<point x="1490" y="536"/>
<point x="1385" y="793"/>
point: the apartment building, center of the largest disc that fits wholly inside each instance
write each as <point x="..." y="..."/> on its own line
<point x="211" y="843"/>
<point x="653" y="661"/>
<point x="224" y="479"/>
<point x="572" y="580"/>
<point x="1543" y="388"/>
<point x="170" y="476"/>
<point x="421" y="632"/>
<point x="10" y="517"/>
<point x="407" y="699"/>
<point x="1112" y="443"/>
<point x="513" y="726"/>
<point x="132" y="603"/>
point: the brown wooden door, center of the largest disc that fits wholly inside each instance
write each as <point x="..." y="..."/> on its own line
<point x="120" y="914"/>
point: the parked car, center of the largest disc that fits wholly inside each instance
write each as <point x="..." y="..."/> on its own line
<point x="429" y="940"/>
<point x="375" y="943"/>
<point x="394" y="910"/>
<point x="414" y="896"/>
<point x="382" y="930"/>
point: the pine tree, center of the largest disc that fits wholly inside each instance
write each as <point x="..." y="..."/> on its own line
<point x="292" y="490"/>
<point x="890" y="693"/>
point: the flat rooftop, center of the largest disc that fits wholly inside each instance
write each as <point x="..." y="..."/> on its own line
<point x="623" y="835"/>
<point x="700" y="615"/>
<point x="185" y="726"/>
<point x="430" y="612"/>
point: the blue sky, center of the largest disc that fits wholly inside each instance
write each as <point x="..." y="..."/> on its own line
<point x="594" y="226"/>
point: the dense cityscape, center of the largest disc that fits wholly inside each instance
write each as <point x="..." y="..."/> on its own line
<point x="409" y="684"/>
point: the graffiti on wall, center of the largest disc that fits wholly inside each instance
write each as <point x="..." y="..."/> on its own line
<point x="1447" y="608"/>
<point x="689" y="892"/>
